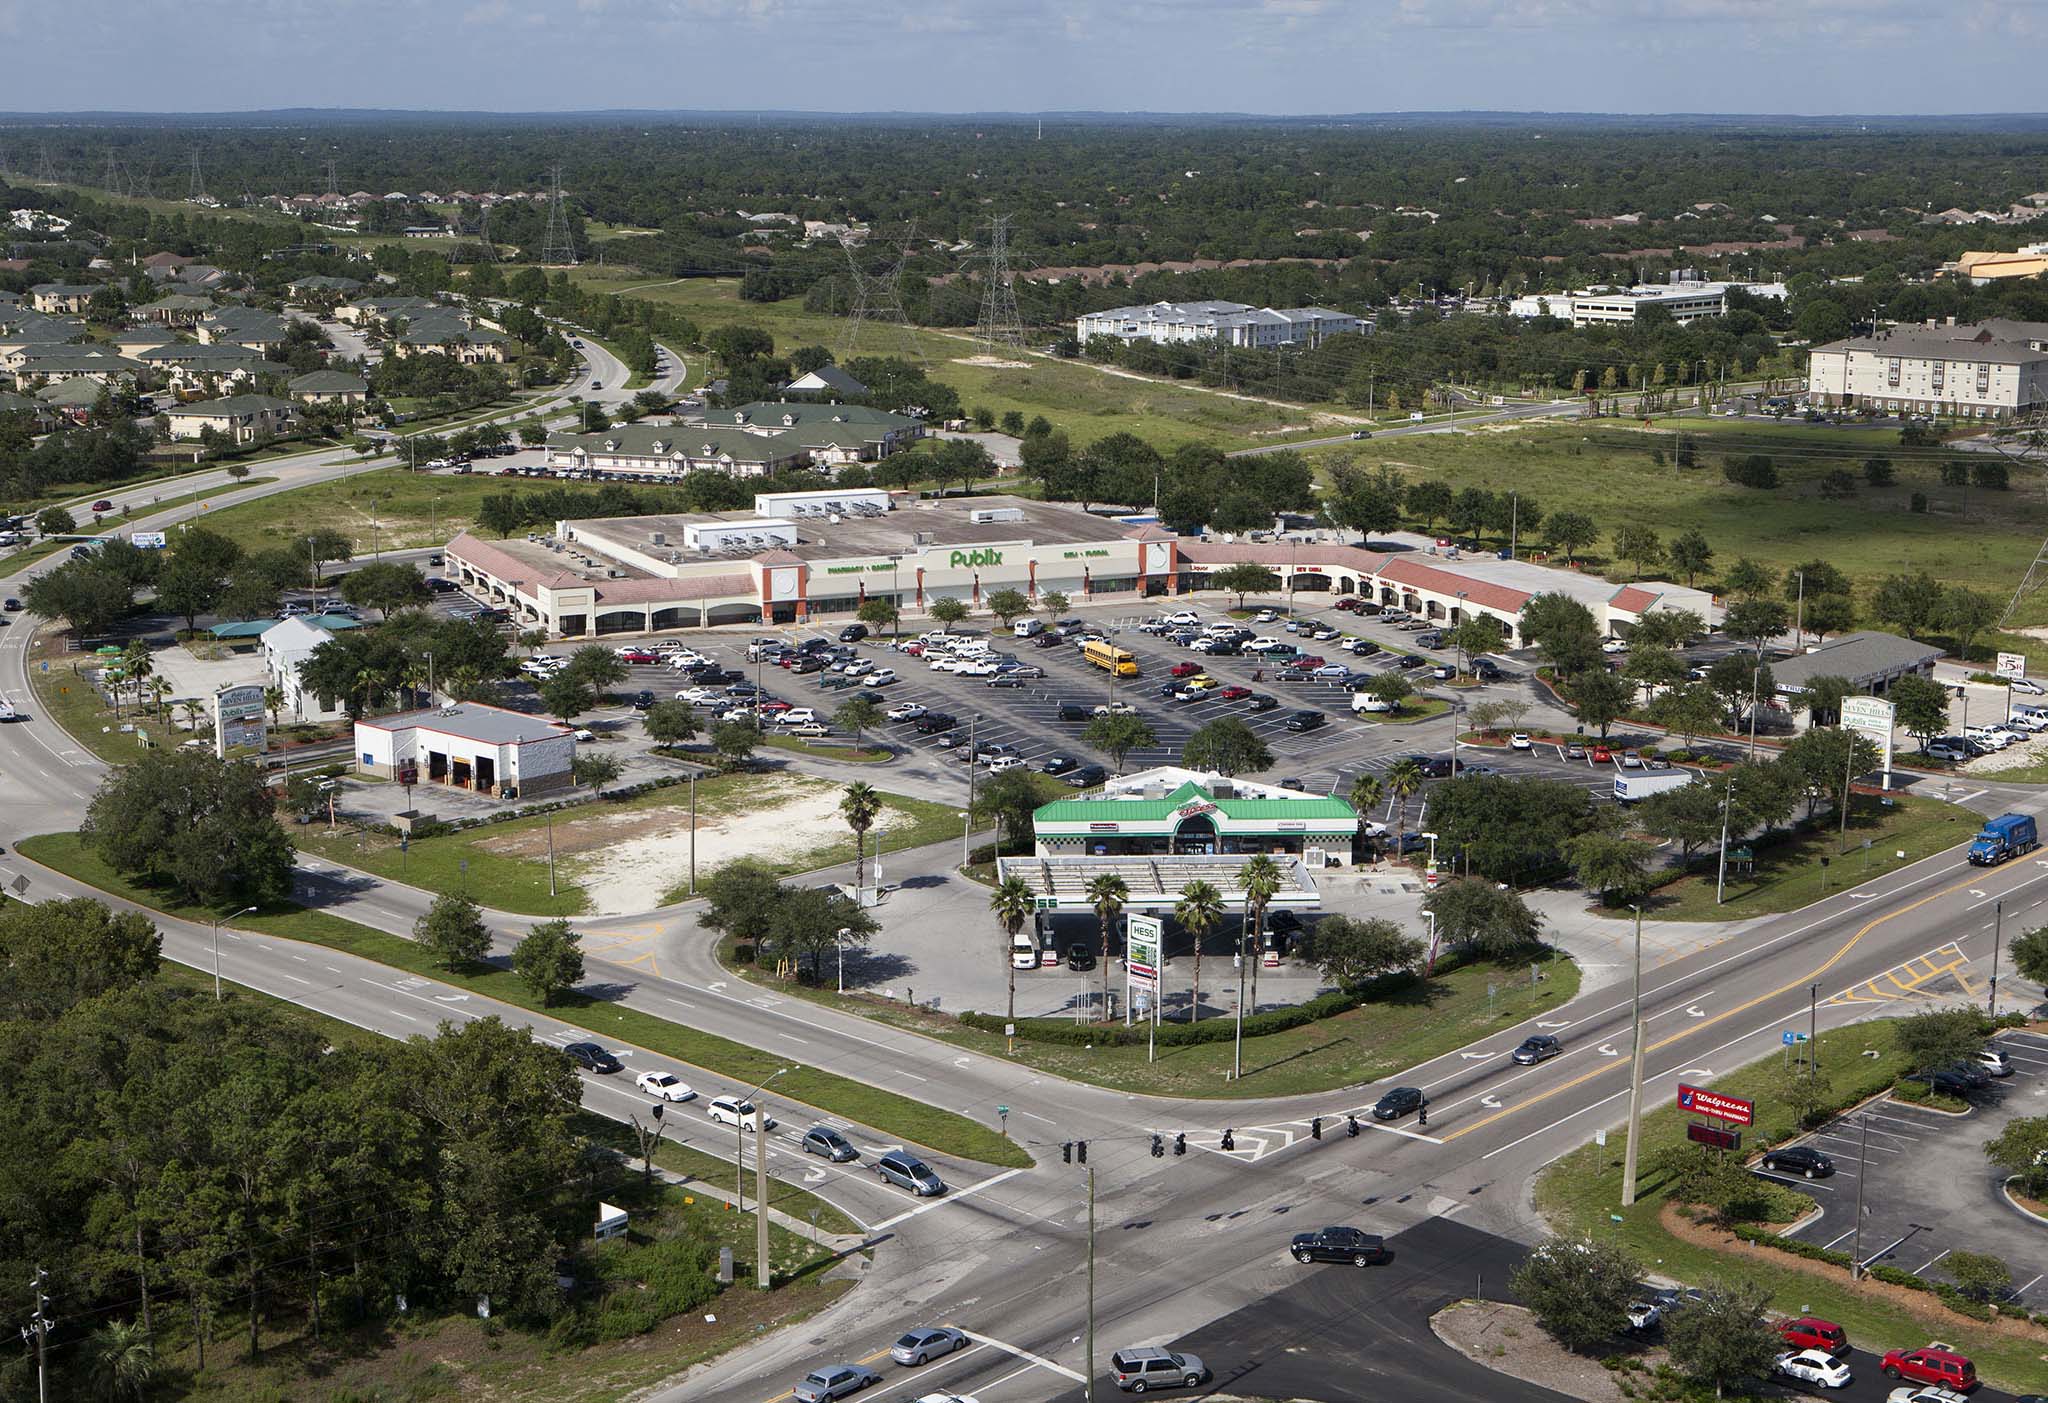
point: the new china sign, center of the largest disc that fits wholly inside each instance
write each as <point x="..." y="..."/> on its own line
<point x="1702" y="1102"/>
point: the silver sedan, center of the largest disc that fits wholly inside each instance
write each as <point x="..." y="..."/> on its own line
<point x="926" y="1342"/>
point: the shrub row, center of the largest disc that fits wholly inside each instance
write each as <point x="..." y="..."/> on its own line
<point x="1948" y="1295"/>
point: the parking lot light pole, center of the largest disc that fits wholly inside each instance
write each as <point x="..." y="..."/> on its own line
<point x="844" y="931"/>
<point x="216" y="948"/>
<point x="1856" y="1247"/>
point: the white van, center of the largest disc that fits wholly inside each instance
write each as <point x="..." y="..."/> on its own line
<point x="1362" y="702"/>
<point x="1028" y="628"/>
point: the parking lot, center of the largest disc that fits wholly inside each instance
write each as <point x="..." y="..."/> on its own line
<point x="1928" y="1191"/>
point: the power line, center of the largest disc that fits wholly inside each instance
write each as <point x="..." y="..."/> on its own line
<point x="195" y="191"/>
<point x="558" y="246"/>
<point x="37" y="1331"/>
<point x="1000" y="325"/>
<point x="879" y="300"/>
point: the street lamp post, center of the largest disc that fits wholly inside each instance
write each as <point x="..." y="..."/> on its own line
<point x="1997" y="936"/>
<point x="1635" y="1076"/>
<point x="965" y="824"/>
<point x="760" y="1175"/>
<point x="216" y="947"/>
<point x="1721" y="877"/>
<point x="844" y="931"/>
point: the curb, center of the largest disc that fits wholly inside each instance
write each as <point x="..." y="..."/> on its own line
<point x="2005" y="1192"/>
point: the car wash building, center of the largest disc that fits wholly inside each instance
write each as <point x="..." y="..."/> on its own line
<point x="467" y="745"/>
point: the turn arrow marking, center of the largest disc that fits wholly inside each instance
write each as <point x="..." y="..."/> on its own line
<point x="1695" y="1012"/>
<point x="1977" y="892"/>
<point x="1607" y="1050"/>
<point x="1477" y="1056"/>
<point x="1492" y="1103"/>
<point x="1565" y="1024"/>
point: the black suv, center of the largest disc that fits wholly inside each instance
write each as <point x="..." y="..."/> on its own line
<point x="1085" y="776"/>
<point x="1306" y="721"/>
<point x="1361" y="1249"/>
<point x="1432" y="766"/>
<point x="853" y="633"/>
<point x="1074" y="711"/>
<point x="1261" y="701"/>
<point x="592" y="1058"/>
<point x="933" y="722"/>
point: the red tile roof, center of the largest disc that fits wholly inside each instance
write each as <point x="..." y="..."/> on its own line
<point x="1449" y="584"/>
<point x="1634" y="598"/>
<point x="1365" y="562"/>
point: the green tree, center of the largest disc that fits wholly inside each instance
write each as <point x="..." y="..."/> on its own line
<point x="1755" y="621"/>
<point x="595" y="770"/>
<point x="740" y="901"/>
<point x="1667" y="628"/>
<point x="2022" y="1149"/>
<point x="453" y="928"/>
<point x="1350" y="951"/>
<point x="948" y="611"/>
<point x="206" y="826"/>
<point x="670" y="723"/>
<point x="1922" y="706"/>
<point x="1008" y="605"/>
<point x="1724" y="1337"/>
<point x="55" y="521"/>
<point x="385" y="586"/>
<point x="1828" y="613"/>
<point x="1688" y="816"/>
<point x="1748" y="580"/>
<point x="1474" y="636"/>
<point x="1404" y="781"/>
<point x="1227" y="746"/>
<point x="1565" y="630"/>
<point x="2030" y="954"/>
<point x="321" y="547"/>
<point x="1013" y="904"/>
<point x="566" y="695"/>
<point x="733" y="743"/>
<point x="84" y="595"/>
<point x="549" y="960"/>
<point x="1579" y="1292"/>
<point x="1691" y="555"/>
<point x="860" y="806"/>
<point x="1877" y="472"/>
<point x="1428" y="501"/>
<point x="1484" y="917"/>
<point x="1602" y="698"/>
<point x="1740" y="681"/>
<point x="1244" y="578"/>
<point x="597" y="666"/>
<point x="1612" y="864"/>
<point x="1260" y="880"/>
<point x="1106" y="893"/>
<point x="1391" y="688"/>
<point x="1908" y="603"/>
<point x="62" y="952"/>
<point x="1198" y="910"/>
<point x="878" y="613"/>
<point x="1367" y="789"/>
<point x="1966" y="613"/>
<point x="123" y="1361"/>
<point x="1117" y="734"/>
<point x="1979" y="1275"/>
<point x="1940" y="1036"/>
<point x="1055" y="603"/>
<point x="857" y="715"/>
<point x="1570" y="533"/>
<point x="1638" y="545"/>
<point x="1009" y="800"/>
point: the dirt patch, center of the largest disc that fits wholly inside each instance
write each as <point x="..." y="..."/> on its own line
<point x="626" y="861"/>
<point x="1507" y="1340"/>
<point x="1918" y="1304"/>
<point x="992" y="362"/>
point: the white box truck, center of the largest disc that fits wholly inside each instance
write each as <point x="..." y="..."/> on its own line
<point x="1628" y="787"/>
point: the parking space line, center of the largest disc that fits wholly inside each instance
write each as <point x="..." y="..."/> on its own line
<point x="1790" y="1179"/>
<point x="1851" y="1233"/>
<point x="1932" y="1260"/>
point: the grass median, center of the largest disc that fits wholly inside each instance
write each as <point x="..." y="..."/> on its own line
<point x="1366" y="1044"/>
<point x="1580" y="1195"/>
<point x="914" y="1121"/>
<point x="1788" y="874"/>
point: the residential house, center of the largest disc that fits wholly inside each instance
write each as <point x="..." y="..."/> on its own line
<point x="244" y="326"/>
<point x="53" y="298"/>
<point x="452" y="336"/>
<point x="365" y="310"/>
<point x="670" y="450"/>
<point x="175" y="309"/>
<point x="239" y="418"/>
<point x="28" y="363"/>
<point x="1230" y="323"/>
<point x="826" y="380"/>
<point x="330" y="387"/>
<point x="835" y="433"/>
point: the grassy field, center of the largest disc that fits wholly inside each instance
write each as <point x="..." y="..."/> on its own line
<point x="1364" y="1045"/>
<point x="63" y="696"/>
<point x="1087" y="403"/>
<point x="1981" y="539"/>
<point x="509" y="883"/>
<point x="1580" y="1194"/>
<point x="913" y="1120"/>
<point x="1789" y="875"/>
<point x="391" y="509"/>
<point x="826" y="750"/>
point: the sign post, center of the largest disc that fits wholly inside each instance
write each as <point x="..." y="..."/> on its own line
<point x="1872" y="717"/>
<point x="1142" y="975"/>
<point x="2012" y="667"/>
<point x="1729" y="1110"/>
<point x="238" y="721"/>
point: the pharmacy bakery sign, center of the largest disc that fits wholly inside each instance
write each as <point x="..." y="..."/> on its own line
<point x="974" y="559"/>
<point x="1701" y="1102"/>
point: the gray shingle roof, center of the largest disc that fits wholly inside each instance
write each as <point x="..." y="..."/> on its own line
<point x="1864" y="659"/>
<point x="488" y="724"/>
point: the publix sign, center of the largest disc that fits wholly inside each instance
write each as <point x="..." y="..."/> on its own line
<point x="974" y="559"/>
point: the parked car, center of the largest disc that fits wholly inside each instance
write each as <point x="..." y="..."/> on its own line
<point x="1814" y="1367"/>
<point x="1931" y="1366"/>
<point x="907" y="711"/>
<point x="1806" y="1332"/>
<point x="1138" y="1370"/>
<point x="1994" y="1061"/>
<point x="1080" y="956"/>
<point x="1799" y="1159"/>
<point x="1261" y="701"/>
<point x="665" y="1086"/>
<point x="1085" y="776"/>
<point x="592" y="1058"/>
<point x="833" y="1381"/>
<point x="1361" y="1249"/>
<point x="1058" y="765"/>
<point x="828" y="1142"/>
<point x="1306" y="721"/>
<point x="1520" y="741"/>
<point x="1538" y="1047"/>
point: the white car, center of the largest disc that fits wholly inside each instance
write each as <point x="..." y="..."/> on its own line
<point x="698" y="696"/>
<point x="1263" y="645"/>
<point x="1813" y="1366"/>
<point x="1266" y="616"/>
<point x="1926" y="1393"/>
<point x="1614" y="645"/>
<point x="947" y="664"/>
<point x="1520" y="741"/>
<point x="907" y="711"/>
<point x="947" y="1398"/>
<point x="885" y="677"/>
<point x="1184" y="617"/>
<point x="1023" y="951"/>
<point x="809" y="728"/>
<point x="731" y="1110"/>
<point x="584" y="733"/>
<point x="665" y="1086"/>
<point x="2027" y="685"/>
<point x="859" y="667"/>
<point x="1643" y="1315"/>
<point x="1005" y="762"/>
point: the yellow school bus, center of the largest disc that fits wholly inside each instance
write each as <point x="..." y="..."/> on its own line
<point x="1111" y="658"/>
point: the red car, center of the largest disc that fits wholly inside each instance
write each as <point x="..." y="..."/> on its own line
<point x="1808" y="1332"/>
<point x="636" y="655"/>
<point x="1234" y="693"/>
<point x="1307" y="664"/>
<point x="1183" y="669"/>
<point x="1602" y="755"/>
<point x="1347" y="606"/>
<point x="1931" y="1366"/>
<point x="773" y="704"/>
<point x="103" y="506"/>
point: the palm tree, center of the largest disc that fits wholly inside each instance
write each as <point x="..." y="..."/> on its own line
<point x="1260" y="878"/>
<point x="136" y="668"/>
<point x="1013" y="904"/>
<point x="1403" y="781"/>
<point x="273" y="702"/>
<point x="860" y="806"/>
<point x="1366" y="792"/>
<point x="1200" y="907"/>
<point x="193" y="711"/>
<point x="159" y="688"/>
<point x="1107" y="893"/>
<point x="123" y="1360"/>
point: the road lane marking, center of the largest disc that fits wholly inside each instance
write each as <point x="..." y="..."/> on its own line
<point x="953" y="1197"/>
<point x="1022" y="1353"/>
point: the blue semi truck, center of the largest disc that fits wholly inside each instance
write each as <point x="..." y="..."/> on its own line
<point x="2003" y="837"/>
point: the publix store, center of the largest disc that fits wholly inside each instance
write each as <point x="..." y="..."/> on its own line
<point x="1171" y="811"/>
<point x="804" y="555"/>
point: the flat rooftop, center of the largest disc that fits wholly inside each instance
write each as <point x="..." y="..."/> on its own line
<point x="946" y="522"/>
<point x="1532" y="577"/>
<point x="487" y="725"/>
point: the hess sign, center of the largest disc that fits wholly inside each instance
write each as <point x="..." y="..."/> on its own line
<point x="1711" y="1103"/>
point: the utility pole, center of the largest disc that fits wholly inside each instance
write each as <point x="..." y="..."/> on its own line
<point x="1088" y="1384"/>
<point x="761" y="1199"/>
<point x="1856" y="1247"/>
<point x="1848" y="779"/>
<point x="1799" y="618"/>
<point x="1635" y="1076"/>
<point x="693" y="835"/>
<point x="1813" y="1028"/>
<point x="37" y="1331"/>
<point x="1721" y="878"/>
<point x="551" y="852"/>
<point x="1997" y="935"/>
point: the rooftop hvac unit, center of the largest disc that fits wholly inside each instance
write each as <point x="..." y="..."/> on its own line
<point x="611" y="574"/>
<point x="660" y="538"/>
<point x="835" y="518"/>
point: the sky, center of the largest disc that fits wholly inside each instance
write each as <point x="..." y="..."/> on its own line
<point x="1283" y="57"/>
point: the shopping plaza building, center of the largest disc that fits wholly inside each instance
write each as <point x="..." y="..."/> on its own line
<point x="799" y="556"/>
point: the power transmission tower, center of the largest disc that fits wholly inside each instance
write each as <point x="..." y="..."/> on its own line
<point x="113" y="177"/>
<point x="557" y="246"/>
<point x="37" y="1331"/>
<point x="46" y="174"/>
<point x="196" y="189"/>
<point x="1000" y="326"/>
<point x="490" y="250"/>
<point x="2028" y="448"/>
<point x="332" y="188"/>
<point x="878" y="300"/>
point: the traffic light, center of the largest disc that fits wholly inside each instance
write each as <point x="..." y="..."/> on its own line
<point x="1315" y="1128"/>
<point x="657" y="1110"/>
<point x="1066" y="1151"/>
<point x="1351" y="1125"/>
<point x="1082" y="1147"/>
<point x="1158" y="1147"/>
<point x="1180" y="1144"/>
<point x="1229" y="1140"/>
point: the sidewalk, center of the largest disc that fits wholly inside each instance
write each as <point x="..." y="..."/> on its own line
<point x="1603" y="942"/>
